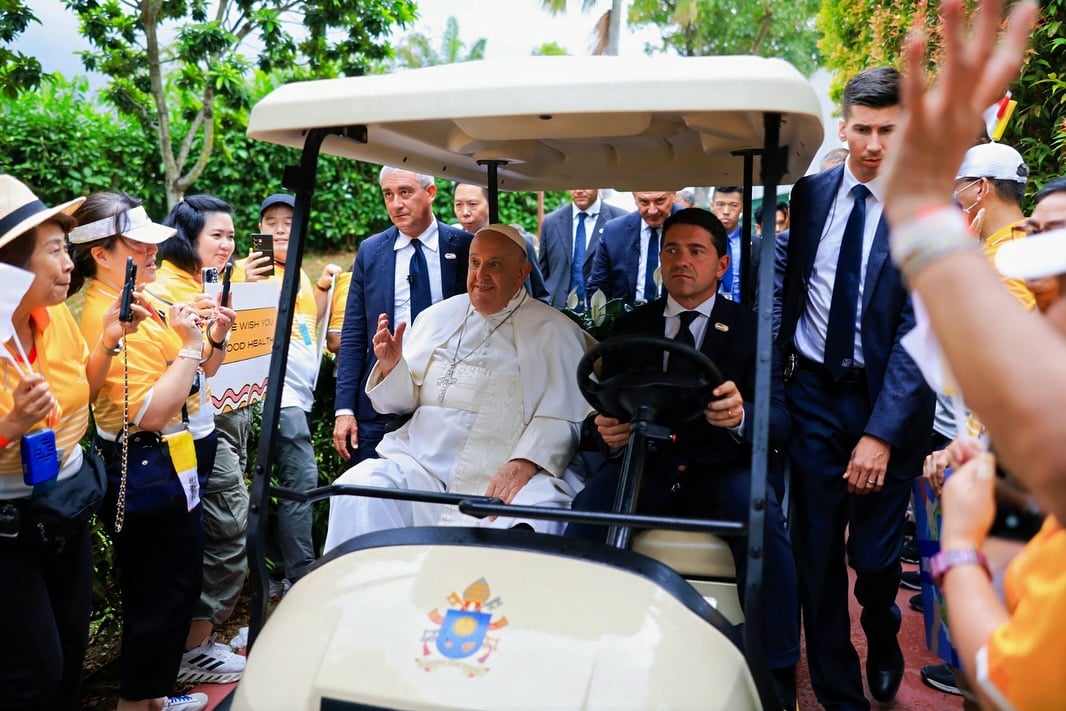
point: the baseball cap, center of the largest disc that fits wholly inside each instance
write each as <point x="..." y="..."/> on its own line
<point x="504" y="231"/>
<point x="1035" y="257"/>
<point x="277" y="199"/>
<point x="995" y="161"/>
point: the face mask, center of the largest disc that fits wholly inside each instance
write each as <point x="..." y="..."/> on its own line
<point x="964" y="188"/>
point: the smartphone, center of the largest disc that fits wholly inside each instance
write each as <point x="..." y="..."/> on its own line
<point x="209" y="275"/>
<point x="265" y="244"/>
<point x="227" y="274"/>
<point x="125" y="309"/>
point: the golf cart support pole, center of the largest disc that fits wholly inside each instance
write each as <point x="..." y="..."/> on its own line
<point x="492" y="180"/>
<point x="774" y="164"/>
<point x="301" y="181"/>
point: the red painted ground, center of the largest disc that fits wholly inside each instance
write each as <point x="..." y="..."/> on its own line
<point x="913" y="694"/>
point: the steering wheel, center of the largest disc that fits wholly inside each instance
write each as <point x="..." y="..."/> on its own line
<point x="675" y="397"/>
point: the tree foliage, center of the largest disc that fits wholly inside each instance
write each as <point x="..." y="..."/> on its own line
<point x="767" y="28"/>
<point x="859" y="34"/>
<point x="416" y="50"/>
<point x="215" y="45"/>
<point x="18" y="72"/>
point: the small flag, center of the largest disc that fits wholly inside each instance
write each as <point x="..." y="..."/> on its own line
<point x="997" y="115"/>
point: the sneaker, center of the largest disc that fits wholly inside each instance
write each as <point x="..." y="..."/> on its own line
<point x="186" y="702"/>
<point x="909" y="552"/>
<point x="911" y="579"/>
<point x="240" y="640"/>
<point x="278" y="588"/>
<point x="916" y="603"/>
<point x="210" y="663"/>
<point x="941" y="678"/>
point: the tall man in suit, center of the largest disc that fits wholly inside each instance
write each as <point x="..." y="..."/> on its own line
<point x="569" y="237"/>
<point x="416" y="262"/>
<point x="706" y="471"/>
<point x="861" y="411"/>
<point x="628" y="255"/>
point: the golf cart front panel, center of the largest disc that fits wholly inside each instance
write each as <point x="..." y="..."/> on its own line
<point x="440" y="626"/>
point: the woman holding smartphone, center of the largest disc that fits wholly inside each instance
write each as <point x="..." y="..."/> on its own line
<point x="204" y="243"/>
<point x="49" y="375"/>
<point x="153" y="394"/>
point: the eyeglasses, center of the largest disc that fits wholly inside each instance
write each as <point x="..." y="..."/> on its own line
<point x="1034" y="228"/>
<point x="136" y="247"/>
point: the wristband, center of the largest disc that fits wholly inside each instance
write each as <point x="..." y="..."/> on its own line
<point x="111" y="351"/>
<point x="937" y="233"/>
<point x="944" y="561"/>
<point x="4" y="442"/>
<point x="321" y="288"/>
<point x="191" y="353"/>
<point x="217" y="345"/>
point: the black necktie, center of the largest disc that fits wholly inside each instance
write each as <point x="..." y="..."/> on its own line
<point x="840" y="332"/>
<point x="651" y="292"/>
<point x="418" y="277"/>
<point x="680" y="364"/>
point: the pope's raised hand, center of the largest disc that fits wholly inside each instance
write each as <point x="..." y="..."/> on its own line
<point x="388" y="346"/>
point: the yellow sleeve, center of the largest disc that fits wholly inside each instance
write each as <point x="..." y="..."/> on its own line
<point x="1020" y="666"/>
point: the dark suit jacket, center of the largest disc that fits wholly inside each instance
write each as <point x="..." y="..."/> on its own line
<point x="733" y="351"/>
<point x="557" y="247"/>
<point x="901" y="409"/>
<point x="373" y="292"/>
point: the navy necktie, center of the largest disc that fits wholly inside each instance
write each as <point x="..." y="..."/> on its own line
<point x="577" y="267"/>
<point x="679" y="364"/>
<point x="418" y="278"/>
<point x="840" y="332"/>
<point x="651" y="292"/>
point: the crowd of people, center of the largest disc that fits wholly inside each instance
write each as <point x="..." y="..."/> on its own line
<point x="442" y="384"/>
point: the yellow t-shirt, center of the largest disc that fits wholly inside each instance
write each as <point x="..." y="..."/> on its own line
<point x="991" y="246"/>
<point x="150" y="350"/>
<point x="342" y="283"/>
<point x="61" y="357"/>
<point x="1020" y="666"/>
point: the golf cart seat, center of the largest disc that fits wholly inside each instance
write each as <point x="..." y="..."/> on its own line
<point x="692" y="554"/>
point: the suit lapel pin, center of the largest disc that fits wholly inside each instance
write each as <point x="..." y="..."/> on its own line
<point x="721" y="326"/>
<point x="449" y="255"/>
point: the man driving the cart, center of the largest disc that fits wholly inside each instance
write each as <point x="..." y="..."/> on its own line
<point x="487" y="378"/>
<point x="705" y="471"/>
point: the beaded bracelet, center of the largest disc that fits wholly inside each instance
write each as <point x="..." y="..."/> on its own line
<point x="917" y="243"/>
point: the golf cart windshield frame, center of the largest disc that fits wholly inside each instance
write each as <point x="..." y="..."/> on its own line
<point x="545" y="123"/>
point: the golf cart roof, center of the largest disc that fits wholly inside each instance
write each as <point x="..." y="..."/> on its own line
<point x="628" y="123"/>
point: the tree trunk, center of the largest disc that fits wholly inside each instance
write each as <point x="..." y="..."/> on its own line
<point x="614" y="31"/>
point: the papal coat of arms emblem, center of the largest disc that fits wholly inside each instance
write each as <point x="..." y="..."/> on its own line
<point x="461" y="636"/>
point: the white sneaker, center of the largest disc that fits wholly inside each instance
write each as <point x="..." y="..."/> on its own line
<point x="186" y="702"/>
<point x="240" y="640"/>
<point x="210" y="663"/>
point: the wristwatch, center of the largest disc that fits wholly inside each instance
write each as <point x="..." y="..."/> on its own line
<point x="944" y="561"/>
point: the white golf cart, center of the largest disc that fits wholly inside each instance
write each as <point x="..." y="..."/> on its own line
<point x="464" y="618"/>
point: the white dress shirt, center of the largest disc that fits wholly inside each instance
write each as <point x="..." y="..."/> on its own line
<point x="404" y="251"/>
<point x="814" y="321"/>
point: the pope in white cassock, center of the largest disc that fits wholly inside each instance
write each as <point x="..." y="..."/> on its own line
<point x="489" y="378"/>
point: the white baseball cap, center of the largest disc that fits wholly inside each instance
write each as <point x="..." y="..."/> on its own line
<point x="995" y="161"/>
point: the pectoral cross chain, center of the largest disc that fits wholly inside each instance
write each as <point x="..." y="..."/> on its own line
<point x="445" y="381"/>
